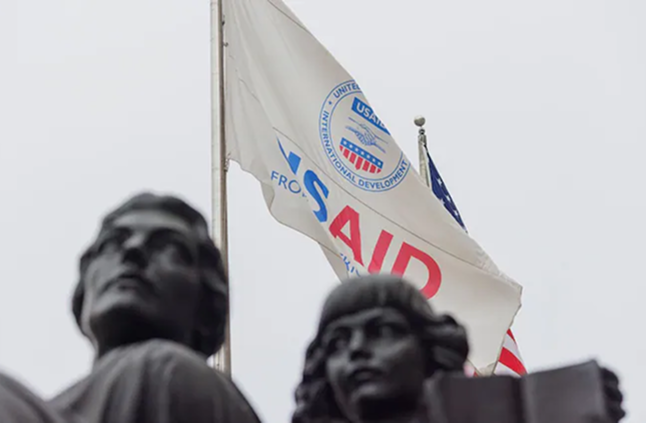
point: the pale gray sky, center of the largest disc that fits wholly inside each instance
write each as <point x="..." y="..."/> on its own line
<point x="537" y="120"/>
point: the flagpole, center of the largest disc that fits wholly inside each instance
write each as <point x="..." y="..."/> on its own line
<point x="421" y="145"/>
<point x="222" y="359"/>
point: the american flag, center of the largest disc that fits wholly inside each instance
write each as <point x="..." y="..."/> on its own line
<point x="510" y="361"/>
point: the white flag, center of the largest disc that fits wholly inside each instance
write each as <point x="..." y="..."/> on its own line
<point x="330" y="169"/>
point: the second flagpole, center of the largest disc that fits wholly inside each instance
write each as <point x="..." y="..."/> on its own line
<point x="219" y="164"/>
<point x="421" y="145"/>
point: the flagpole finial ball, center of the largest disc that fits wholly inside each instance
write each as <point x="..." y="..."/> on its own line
<point x="420" y="121"/>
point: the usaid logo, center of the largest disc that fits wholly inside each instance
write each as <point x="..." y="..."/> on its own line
<point x="357" y="143"/>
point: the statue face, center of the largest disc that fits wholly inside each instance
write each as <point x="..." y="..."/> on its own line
<point x="373" y="357"/>
<point x="143" y="282"/>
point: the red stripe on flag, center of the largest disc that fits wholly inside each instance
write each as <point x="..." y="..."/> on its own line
<point x="346" y="152"/>
<point x="353" y="158"/>
<point x="366" y="165"/>
<point x="359" y="163"/>
<point x="511" y="361"/>
<point x="511" y="335"/>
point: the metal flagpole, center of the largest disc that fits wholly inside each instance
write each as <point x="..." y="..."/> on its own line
<point x="222" y="359"/>
<point x="421" y="145"/>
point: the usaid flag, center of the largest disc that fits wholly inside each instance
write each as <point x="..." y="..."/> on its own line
<point x="329" y="168"/>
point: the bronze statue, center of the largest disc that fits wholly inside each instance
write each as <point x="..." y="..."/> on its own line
<point x="19" y="405"/>
<point x="152" y="299"/>
<point x="381" y="354"/>
<point x="377" y="343"/>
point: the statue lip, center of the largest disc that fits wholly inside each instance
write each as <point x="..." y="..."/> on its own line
<point x="363" y="374"/>
<point x="130" y="280"/>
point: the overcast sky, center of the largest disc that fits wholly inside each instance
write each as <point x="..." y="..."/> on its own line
<point x="537" y="121"/>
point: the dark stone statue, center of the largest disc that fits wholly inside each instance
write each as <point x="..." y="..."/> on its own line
<point x="380" y="348"/>
<point x="377" y="342"/>
<point x="19" y="405"/>
<point x="152" y="299"/>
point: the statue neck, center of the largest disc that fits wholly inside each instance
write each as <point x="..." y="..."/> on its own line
<point x="416" y="417"/>
<point x="105" y="348"/>
<point x="125" y="329"/>
<point x="394" y="412"/>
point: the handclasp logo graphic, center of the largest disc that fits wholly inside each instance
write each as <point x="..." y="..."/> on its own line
<point x="366" y="136"/>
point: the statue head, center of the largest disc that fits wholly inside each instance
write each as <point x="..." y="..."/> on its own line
<point x="152" y="272"/>
<point x="377" y="341"/>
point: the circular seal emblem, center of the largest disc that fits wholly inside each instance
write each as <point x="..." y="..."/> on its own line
<point x="357" y="143"/>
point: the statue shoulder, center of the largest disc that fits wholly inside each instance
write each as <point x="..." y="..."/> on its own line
<point x="151" y="358"/>
<point x="194" y="387"/>
<point x="153" y="381"/>
<point x="159" y="352"/>
<point x="18" y="404"/>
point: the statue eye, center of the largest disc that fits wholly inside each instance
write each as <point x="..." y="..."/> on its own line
<point x="176" y="249"/>
<point x="336" y="343"/>
<point x="110" y="244"/>
<point x="113" y="240"/>
<point x="180" y="252"/>
<point x="388" y="330"/>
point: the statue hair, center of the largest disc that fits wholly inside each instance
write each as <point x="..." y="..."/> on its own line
<point x="209" y="334"/>
<point x="442" y="338"/>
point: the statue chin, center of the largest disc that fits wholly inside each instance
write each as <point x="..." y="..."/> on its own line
<point x="122" y="324"/>
<point x="117" y="300"/>
<point x="370" y="393"/>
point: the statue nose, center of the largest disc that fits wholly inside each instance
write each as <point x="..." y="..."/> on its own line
<point x="358" y="346"/>
<point x="134" y="251"/>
